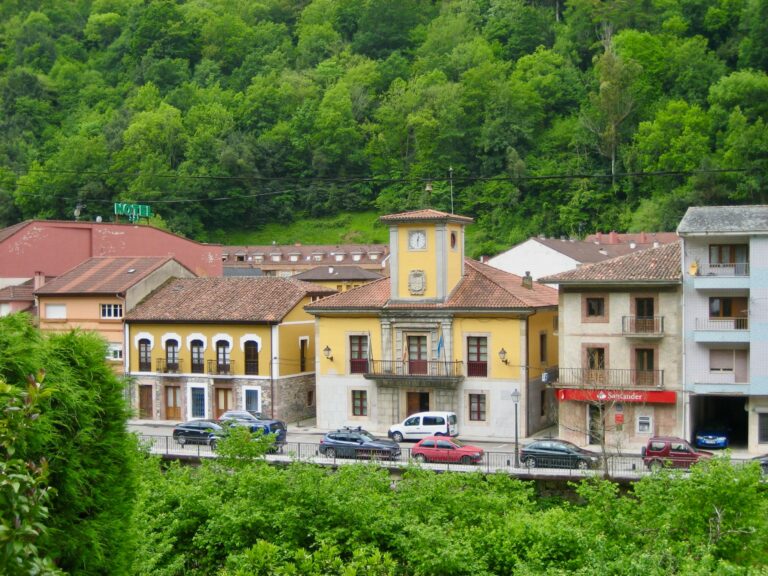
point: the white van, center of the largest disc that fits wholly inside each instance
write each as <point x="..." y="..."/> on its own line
<point x="423" y="424"/>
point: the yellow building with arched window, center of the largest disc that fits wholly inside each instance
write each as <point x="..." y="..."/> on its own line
<point x="442" y="332"/>
<point x="197" y="347"/>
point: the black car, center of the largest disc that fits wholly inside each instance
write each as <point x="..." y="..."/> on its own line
<point x="552" y="453"/>
<point x="357" y="443"/>
<point x="255" y="423"/>
<point x="198" y="432"/>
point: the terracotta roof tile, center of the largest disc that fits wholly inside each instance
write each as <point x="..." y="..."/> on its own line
<point x="18" y="292"/>
<point x="426" y="214"/>
<point x="104" y="275"/>
<point x="482" y="287"/>
<point x="337" y="273"/>
<point x="260" y="299"/>
<point x="650" y="265"/>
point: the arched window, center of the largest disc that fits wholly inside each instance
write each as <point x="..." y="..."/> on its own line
<point x="223" y="363"/>
<point x="197" y="348"/>
<point x="145" y="355"/>
<point x="251" y="357"/>
<point x="172" y="355"/>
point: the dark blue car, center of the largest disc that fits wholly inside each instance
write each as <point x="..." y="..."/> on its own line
<point x="712" y="437"/>
<point x="357" y="443"/>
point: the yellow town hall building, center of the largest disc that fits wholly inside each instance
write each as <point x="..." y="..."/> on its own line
<point x="442" y="332"/>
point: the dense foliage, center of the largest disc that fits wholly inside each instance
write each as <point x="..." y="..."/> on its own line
<point x="67" y="482"/>
<point x="547" y="116"/>
<point x="306" y="520"/>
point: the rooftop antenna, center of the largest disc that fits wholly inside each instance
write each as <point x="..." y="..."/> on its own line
<point x="450" y="179"/>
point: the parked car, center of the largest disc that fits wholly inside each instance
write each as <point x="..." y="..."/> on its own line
<point x="255" y="422"/>
<point x="357" y="443"/>
<point x="553" y="453"/>
<point x="442" y="449"/>
<point x="198" y="432"/>
<point x="712" y="437"/>
<point x="763" y="461"/>
<point x="423" y="424"/>
<point x="670" y="451"/>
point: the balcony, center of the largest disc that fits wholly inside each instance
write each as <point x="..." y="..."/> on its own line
<point x="431" y="372"/>
<point x="609" y="378"/>
<point x="722" y="276"/>
<point x="722" y="330"/>
<point x="216" y="368"/>
<point x="162" y="366"/>
<point x="643" y="326"/>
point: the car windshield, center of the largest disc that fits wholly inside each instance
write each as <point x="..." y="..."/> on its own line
<point x="367" y="436"/>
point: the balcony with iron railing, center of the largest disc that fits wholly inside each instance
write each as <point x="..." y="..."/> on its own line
<point x="733" y="276"/>
<point x="609" y="378"/>
<point x="218" y="368"/>
<point x="722" y="330"/>
<point x="724" y="269"/>
<point x="433" y="370"/>
<point x="163" y="366"/>
<point x="643" y="326"/>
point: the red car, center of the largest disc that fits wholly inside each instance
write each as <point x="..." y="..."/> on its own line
<point x="443" y="449"/>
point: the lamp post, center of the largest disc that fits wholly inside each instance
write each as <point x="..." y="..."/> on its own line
<point x="516" y="400"/>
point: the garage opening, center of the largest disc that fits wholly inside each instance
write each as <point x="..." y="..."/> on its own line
<point x="715" y="413"/>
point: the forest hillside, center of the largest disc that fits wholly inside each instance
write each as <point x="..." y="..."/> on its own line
<point x="534" y="117"/>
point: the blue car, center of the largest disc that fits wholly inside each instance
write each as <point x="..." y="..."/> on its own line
<point x="715" y="437"/>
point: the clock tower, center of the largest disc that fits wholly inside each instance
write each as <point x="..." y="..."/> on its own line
<point x="426" y="254"/>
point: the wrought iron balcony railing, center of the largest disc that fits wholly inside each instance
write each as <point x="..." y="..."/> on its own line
<point x="165" y="367"/>
<point x="422" y="368"/>
<point x="642" y="325"/>
<point x="218" y="368"/>
<point x="610" y="378"/>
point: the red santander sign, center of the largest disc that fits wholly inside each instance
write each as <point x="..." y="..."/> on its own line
<point x="637" y="396"/>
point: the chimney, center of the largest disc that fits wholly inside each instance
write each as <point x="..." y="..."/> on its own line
<point x="528" y="281"/>
<point x="330" y="269"/>
<point x="643" y="239"/>
<point x="39" y="280"/>
<point x="614" y="238"/>
<point x="599" y="236"/>
<point x="632" y="245"/>
<point x="656" y="244"/>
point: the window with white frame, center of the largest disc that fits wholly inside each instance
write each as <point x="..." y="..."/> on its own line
<point x="197" y="402"/>
<point x="644" y="424"/>
<point x="111" y="311"/>
<point x="56" y="311"/>
<point x="762" y="427"/>
<point x="252" y="399"/>
<point x="115" y="351"/>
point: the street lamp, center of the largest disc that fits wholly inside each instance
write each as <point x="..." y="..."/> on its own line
<point x="516" y="400"/>
<point x="327" y="353"/>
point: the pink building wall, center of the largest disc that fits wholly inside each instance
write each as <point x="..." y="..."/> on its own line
<point x="54" y="247"/>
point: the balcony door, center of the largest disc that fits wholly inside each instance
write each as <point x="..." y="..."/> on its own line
<point x="644" y="367"/>
<point x="644" y="312"/>
<point x="417" y="354"/>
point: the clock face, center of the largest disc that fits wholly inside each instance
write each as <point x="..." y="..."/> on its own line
<point x="417" y="240"/>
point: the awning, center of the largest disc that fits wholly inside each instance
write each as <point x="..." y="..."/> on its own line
<point x="638" y="396"/>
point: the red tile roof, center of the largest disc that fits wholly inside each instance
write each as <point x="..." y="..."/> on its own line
<point x="483" y="287"/>
<point x="18" y="292"/>
<point x="660" y="264"/>
<point x="250" y="299"/>
<point x="426" y="214"/>
<point x="104" y="275"/>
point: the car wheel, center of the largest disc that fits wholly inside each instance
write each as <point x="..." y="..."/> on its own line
<point x="439" y="434"/>
<point x="213" y="444"/>
<point x="466" y="460"/>
<point x="582" y="465"/>
<point x="397" y="437"/>
<point x="330" y="453"/>
<point x="655" y="465"/>
<point x="181" y="439"/>
<point x="419" y="458"/>
<point x="530" y="462"/>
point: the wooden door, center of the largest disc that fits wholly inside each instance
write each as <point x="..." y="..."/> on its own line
<point x="223" y="401"/>
<point x="173" y="403"/>
<point x="145" y="402"/>
<point x="417" y="402"/>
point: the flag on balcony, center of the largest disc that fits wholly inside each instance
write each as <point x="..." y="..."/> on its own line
<point x="439" y="342"/>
